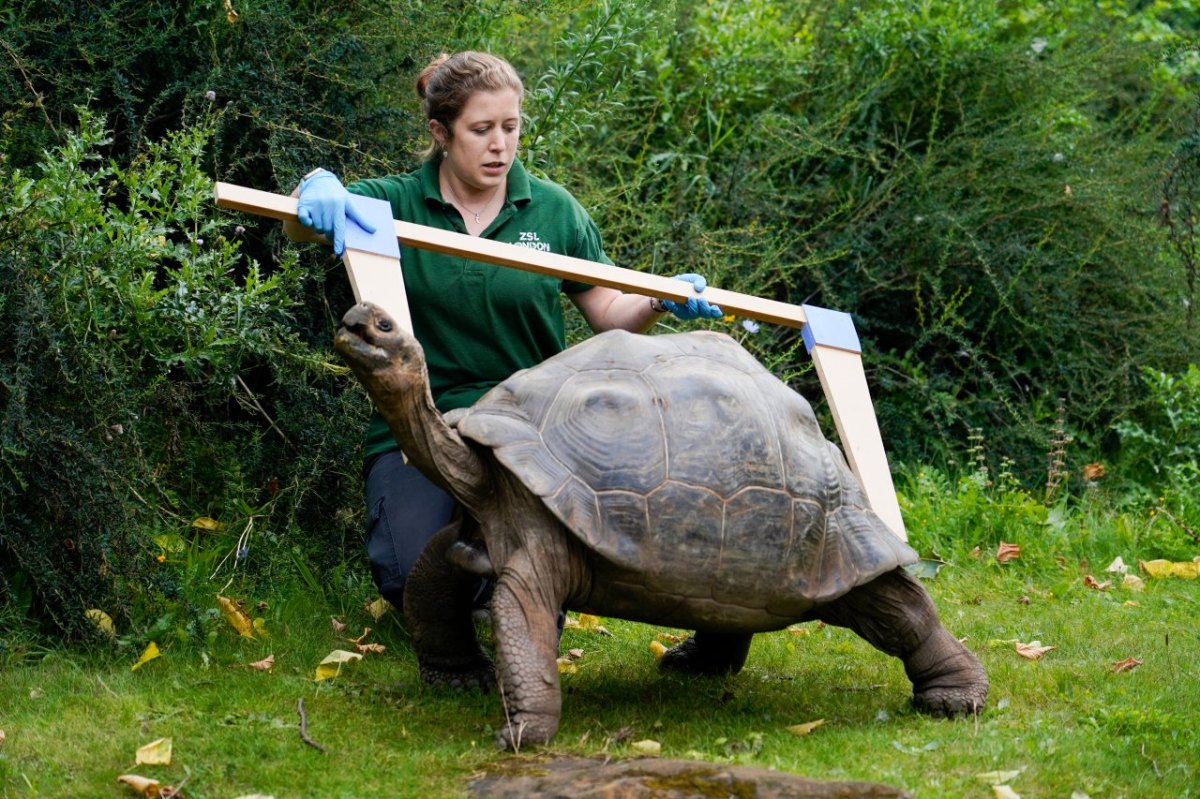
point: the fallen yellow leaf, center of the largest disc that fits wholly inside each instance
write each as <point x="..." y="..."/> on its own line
<point x="1033" y="650"/>
<point x="806" y="728"/>
<point x="265" y="664"/>
<point x="997" y="777"/>
<point x="1004" y="792"/>
<point x="155" y="753"/>
<point x="565" y="666"/>
<point x="366" y="631"/>
<point x="147" y="787"/>
<point x="1133" y="582"/>
<point x="148" y="654"/>
<point x="102" y="620"/>
<point x="236" y="617"/>
<point x="1128" y="664"/>
<point x="205" y="523"/>
<point x="331" y="666"/>
<point x="1" y="737"/>
<point x="646" y="747"/>
<point x="1187" y="570"/>
<point x="377" y="608"/>
<point x="658" y="650"/>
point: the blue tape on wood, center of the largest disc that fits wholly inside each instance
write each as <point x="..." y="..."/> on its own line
<point x="378" y="212"/>
<point x="828" y="328"/>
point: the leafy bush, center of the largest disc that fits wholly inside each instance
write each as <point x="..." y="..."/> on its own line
<point x="980" y="192"/>
<point x="135" y="343"/>
<point x="1160" y="460"/>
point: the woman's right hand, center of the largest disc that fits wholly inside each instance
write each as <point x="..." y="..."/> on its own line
<point x="324" y="206"/>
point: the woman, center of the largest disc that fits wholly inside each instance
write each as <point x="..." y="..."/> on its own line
<point x="477" y="323"/>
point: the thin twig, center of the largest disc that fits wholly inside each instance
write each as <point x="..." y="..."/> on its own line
<point x="266" y="415"/>
<point x="304" y="727"/>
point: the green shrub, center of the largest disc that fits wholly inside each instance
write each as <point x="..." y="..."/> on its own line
<point x="979" y="191"/>
<point x="144" y="364"/>
<point x="1159" y="462"/>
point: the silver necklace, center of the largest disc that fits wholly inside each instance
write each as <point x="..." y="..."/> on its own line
<point x="458" y="201"/>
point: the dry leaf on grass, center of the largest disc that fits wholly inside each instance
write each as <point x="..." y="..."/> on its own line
<point x="151" y="789"/>
<point x="377" y="649"/>
<point x="806" y="728"/>
<point x="658" y="650"/>
<point x="1007" y="552"/>
<point x="565" y="666"/>
<point x="646" y="747"/>
<point x="155" y="753"/>
<point x="586" y="622"/>
<point x="1187" y="570"/>
<point x="236" y="617"/>
<point x="1128" y="664"/>
<point x="1004" y="792"/>
<point x="339" y="626"/>
<point x="1090" y="582"/>
<point x="378" y="608"/>
<point x="148" y="654"/>
<point x="265" y="664"/>
<point x="205" y="523"/>
<point x="1033" y="650"/>
<point x="1" y="737"/>
<point x="997" y="777"/>
<point x="331" y="666"/>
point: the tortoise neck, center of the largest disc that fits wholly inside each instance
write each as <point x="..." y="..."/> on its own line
<point x="431" y="445"/>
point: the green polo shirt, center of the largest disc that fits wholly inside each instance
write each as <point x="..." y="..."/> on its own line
<point x="479" y="323"/>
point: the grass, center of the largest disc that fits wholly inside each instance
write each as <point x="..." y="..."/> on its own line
<point x="73" y="719"/>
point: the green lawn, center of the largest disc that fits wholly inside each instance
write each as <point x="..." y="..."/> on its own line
<point x="73" y="720"/>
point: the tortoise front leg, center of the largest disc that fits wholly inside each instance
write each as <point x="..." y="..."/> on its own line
<point x="524" y="625"/>
<point x="437" y="607"/>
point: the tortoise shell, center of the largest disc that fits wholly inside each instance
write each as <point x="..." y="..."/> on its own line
<point x="679" y="458"/>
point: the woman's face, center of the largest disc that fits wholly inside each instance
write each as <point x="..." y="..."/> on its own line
<point x="483" y="140"/>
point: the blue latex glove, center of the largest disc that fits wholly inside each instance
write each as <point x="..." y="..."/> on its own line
<point x="324" y="206"/>
<point x="695" y="307"/>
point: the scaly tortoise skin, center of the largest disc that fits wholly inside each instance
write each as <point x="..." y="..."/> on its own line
<point x="667" y="479"/>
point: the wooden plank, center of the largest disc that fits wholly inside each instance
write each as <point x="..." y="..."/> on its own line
<point x="840" y="371"/>
<point x="378" y="278"/>
<point x="277" y="206"/>
<point x="845" y="384"/>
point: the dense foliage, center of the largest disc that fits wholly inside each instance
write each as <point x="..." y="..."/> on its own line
<point x="1002" y="195"/>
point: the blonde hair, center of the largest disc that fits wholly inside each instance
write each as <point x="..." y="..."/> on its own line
<point x="449" y="81"/>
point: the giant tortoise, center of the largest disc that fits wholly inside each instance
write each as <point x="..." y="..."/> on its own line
<point x="667" y="479"/>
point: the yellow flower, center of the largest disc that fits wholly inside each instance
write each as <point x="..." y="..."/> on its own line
<point x="162" y="557"/>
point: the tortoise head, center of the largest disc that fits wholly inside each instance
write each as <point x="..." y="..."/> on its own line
<point x="380" y="353"/>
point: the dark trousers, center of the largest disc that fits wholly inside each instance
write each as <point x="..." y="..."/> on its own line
<point x="404" y="510"/>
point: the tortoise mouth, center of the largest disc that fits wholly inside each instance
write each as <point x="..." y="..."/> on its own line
<point x="352" y="343"/>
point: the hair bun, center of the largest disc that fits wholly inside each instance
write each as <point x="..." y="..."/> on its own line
<point x="427" y="73"/>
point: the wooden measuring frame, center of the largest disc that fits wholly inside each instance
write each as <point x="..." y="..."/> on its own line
<point x="373" y="265"/>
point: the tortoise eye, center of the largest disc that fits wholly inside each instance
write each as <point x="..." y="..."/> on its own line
<point x="384" y="325"/>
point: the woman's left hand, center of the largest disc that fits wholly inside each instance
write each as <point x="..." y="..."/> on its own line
<point x="694" y="307"/>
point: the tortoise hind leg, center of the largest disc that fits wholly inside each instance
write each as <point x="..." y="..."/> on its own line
<point x="708" y="653"/>
<point x="437" y="607"/>
<point x="896" y="615"/>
